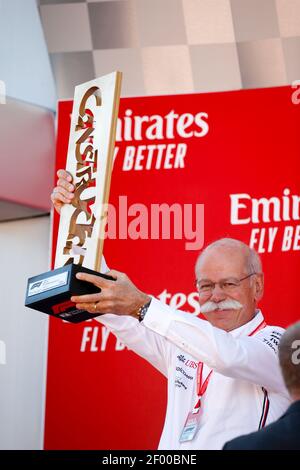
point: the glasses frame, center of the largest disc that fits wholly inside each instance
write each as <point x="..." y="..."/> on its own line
<point x="218" y="283"/>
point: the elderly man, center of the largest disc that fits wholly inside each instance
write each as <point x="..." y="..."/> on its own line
<point x="284" y="434"/>
<point x="223" y="374"/>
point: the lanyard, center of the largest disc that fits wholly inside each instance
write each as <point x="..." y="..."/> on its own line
<point x="201" y="387"/>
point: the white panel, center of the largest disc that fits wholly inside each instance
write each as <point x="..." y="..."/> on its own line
<point x="27" y="154"/>
<point x="24" y="253"/>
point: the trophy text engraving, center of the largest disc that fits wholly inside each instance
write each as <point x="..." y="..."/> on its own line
<point x="82" y="220"/>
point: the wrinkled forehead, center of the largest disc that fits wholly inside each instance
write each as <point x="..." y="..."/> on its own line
<point x="222" y="262"/>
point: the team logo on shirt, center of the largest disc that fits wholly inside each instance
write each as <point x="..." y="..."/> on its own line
<point x="273" y="340"/>
<point x="182" y="378"/>
<point x="183" y="372"/>
<point x="187" y="362"/>
<point x="181" y="358"/>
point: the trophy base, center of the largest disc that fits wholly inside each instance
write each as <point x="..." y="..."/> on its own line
<point x="50" y="292"/>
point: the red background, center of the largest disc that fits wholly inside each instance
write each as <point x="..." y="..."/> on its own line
<point x="114" y="399"/>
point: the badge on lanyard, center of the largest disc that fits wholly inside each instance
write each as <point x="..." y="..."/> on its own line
<point x="191" y="426"/>
<point x="192" y="422"/>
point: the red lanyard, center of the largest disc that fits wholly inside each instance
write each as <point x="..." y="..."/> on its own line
<point x="201" y="387"/>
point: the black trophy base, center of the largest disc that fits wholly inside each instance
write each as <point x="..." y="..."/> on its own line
<point x="51" y="292"/>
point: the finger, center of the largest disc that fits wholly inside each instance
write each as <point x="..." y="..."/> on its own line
<point x="86" y="298"/>
<point x="58" y="198"/>
<point x="57" y="204"/>
<point x="96" y="280"/>
<point x="62" y="183"/>
<point x="65" y="175"/>
<point x="115" y="274"/>
<point x="86" y="306"/>
<point x="64" y="192"/>
<point x="101" y="307"/>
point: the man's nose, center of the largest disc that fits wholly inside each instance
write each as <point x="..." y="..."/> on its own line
<point x="217" y="294"/>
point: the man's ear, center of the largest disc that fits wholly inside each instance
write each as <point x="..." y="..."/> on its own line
<point x="258" y="286"/>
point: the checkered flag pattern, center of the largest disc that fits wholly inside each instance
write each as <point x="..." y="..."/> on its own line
<point x="173" y="46"/>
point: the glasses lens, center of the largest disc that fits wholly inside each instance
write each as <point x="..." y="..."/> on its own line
<point x="230" y="284"/>
<point x="205" y="286"/>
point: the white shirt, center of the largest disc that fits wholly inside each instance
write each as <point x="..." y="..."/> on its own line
<point x="245" y="390"/>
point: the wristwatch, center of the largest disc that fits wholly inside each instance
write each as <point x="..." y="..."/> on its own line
<point x="143" y="310"/>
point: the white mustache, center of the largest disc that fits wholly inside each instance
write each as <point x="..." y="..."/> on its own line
<point x="228" y="304"/>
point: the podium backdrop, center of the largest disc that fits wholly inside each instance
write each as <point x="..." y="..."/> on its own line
<point x="234" y="154"/>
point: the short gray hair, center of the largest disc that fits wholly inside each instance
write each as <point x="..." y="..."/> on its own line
<point x="252" y="257"/>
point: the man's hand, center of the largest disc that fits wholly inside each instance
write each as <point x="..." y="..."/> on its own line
<point x="120" y="297"/>
<point x="63" y="193"/>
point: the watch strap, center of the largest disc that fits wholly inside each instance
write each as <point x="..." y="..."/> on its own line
<point x="143" y="310"/>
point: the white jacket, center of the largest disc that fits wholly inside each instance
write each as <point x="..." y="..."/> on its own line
<point x="245" y="391"/>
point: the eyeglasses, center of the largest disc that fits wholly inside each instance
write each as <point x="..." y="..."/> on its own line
<point x="227" y="285"/>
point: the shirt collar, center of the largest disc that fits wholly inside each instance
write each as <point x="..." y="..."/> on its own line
<point x="249" y="327"/>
